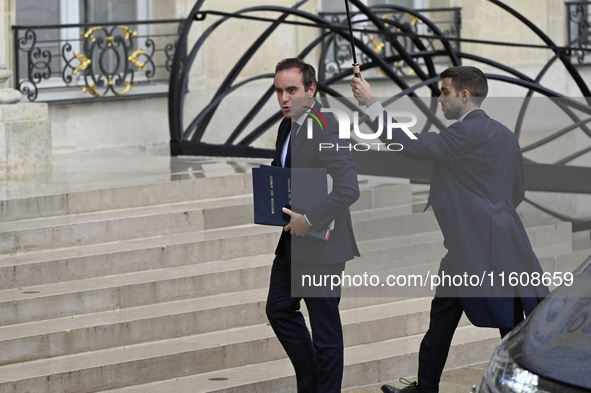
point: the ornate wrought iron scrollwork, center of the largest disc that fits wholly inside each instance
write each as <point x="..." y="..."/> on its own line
<point x="579" y="25"/>
<point x="170" y="49"/>
<point x="339" y="50"/>
<point x="38" y="64"/>
<point x="106" y="61"/>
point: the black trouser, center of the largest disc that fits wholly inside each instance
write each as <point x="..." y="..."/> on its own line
<point x="445" y="316"/>
<point x="317" y="360"/>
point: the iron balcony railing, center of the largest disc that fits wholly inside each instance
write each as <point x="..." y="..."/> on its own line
<point x="94" y="61"/>
<point x="338" y="50"/>
<point x="579" y="30"/>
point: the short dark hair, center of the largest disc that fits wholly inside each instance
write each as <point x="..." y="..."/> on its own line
<point x="468" y="78"/>
<point x="306" y="69"/>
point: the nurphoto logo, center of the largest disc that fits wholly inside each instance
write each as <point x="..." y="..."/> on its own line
<point x="345" y="129"/>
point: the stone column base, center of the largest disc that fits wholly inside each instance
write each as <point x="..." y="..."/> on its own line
<point x="25" y="138"/>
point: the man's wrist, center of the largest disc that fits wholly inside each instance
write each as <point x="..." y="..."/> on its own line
<point x="369" y="101"/>
<point x="309" y="223"/>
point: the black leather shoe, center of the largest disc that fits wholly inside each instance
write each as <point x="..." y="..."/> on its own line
<point x="389" y="389"/>
<point x="411" y="387"/>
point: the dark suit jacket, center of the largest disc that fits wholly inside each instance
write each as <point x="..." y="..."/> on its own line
<point x="341" y="245"/>
<point x="478" y="181"/>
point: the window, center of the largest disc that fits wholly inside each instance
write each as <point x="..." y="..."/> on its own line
<point x="339" y="6"/>
<point x="102" y="52"/>
<point x="579" y="25"/>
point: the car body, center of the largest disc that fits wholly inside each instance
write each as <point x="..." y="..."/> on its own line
<point x="551" y="350"/>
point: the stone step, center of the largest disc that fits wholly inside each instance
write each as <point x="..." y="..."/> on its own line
<point x="562" y="263"/>
<point x="353" y="297"/>
<point x="151" y="322"/>
<point x="403" y="282"/>
<point x="175" y="191"/>
<point x="177" y="277"/>
<point x="378" y="362"/>
<point x="210" y="207"/>
<point x="551" y="239"/>
<point x="133" y="289"/>
<point x="126" y="197"/>
<point x="60" y="231"/>
<point x="423" y="247"/>
<point x="88" y="260"/>
<point x="169" y="282"/>
<point x="125" y="327"/>
<point x="379" y="254"/>
<point x="382" y="212"/>
<point x="384" y="196"/>
<point x="91" y="261"/>
<point x="74" y="263"/>
<point x="206" y="352"/>
<point x="383" y="225"/>
<point x="119" y="225"/>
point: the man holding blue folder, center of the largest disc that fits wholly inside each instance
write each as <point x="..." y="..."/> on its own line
<point x="317" y="360"/>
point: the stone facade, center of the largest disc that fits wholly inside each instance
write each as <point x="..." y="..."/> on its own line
<point x="25" y="129"/>
<point x="25" y="138"/>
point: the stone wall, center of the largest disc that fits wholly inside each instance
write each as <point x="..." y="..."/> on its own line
<point x="25" y="138"/>
<point x="141" y="125"/>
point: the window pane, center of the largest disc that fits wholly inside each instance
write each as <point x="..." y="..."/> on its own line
<point x="101" y="11"/>
<point x="35" y="13"/>
<point x="404" y="3"/>
<point x="339" y="6"/>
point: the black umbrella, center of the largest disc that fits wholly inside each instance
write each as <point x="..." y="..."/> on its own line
<point x="356" y="70"/>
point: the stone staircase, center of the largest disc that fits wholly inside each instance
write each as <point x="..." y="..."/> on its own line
<point x="162" y="288"/>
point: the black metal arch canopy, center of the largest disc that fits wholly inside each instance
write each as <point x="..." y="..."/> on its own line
<point x="197" y="127"/>
<point x="541" y="177"/>
<point x="178" y="89"/>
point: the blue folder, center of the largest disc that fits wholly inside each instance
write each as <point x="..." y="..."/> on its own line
<point x="299" y="189"/>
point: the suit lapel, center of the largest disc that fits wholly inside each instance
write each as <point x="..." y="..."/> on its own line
<point x="298" y="140"/>
<point x="284" y="129"/>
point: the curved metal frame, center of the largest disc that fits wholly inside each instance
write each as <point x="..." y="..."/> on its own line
<point x="188" y="140"/>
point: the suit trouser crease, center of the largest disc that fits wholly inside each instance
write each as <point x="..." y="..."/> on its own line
<point x="318" y="359"/>
<point x="445" y="316"/>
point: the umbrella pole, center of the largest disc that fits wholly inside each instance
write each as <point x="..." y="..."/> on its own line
<point x="356" y="70"/>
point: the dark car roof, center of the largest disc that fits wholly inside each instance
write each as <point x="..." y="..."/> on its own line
<point x="557" y="335"/>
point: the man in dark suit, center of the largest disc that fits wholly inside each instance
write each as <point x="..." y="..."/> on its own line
<point x="317" y="360"/>
<point x="478" y="180"/>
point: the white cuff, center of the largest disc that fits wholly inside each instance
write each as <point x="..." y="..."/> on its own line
<point x="311" y="226"/>
<point x="374" y="110"/>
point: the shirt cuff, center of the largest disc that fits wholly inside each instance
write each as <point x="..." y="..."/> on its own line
<point x="374" y="110"/>
<point x="311" y="226"/>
